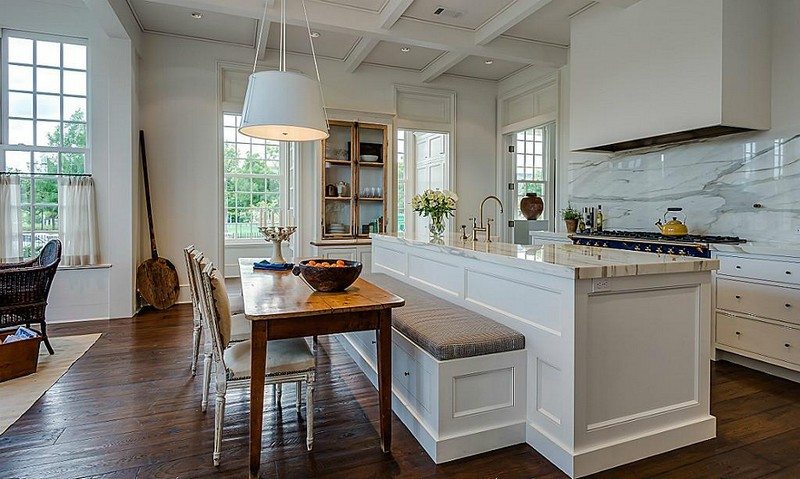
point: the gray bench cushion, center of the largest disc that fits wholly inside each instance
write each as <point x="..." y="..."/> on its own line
<point x="443" y="329"/>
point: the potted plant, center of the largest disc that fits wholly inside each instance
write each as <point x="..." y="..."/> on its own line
<point x="570" y="216"/>
<point x="437" y="205"/>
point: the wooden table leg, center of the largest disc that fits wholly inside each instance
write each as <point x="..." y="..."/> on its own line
<point x="384" y="334"/>
<point x="258" y="368"/>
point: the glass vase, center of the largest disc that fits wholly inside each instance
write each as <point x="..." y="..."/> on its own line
<point x="436" y="227"/>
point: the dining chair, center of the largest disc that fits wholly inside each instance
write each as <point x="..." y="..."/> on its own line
<point x="288" y="360"/>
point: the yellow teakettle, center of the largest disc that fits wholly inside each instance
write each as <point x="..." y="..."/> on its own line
<point x="673" y="227"/>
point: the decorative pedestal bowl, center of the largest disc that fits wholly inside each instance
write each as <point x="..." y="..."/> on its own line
<point x="336" y="277"/>
<point x="277" y="235"/>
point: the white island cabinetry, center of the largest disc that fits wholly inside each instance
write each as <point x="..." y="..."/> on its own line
<point x="617" y="342"/>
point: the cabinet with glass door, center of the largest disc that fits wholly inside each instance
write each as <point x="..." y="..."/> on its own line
<point x="354" y="162"/>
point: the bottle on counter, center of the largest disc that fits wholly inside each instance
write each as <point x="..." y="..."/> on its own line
<point x="599" y="218"/>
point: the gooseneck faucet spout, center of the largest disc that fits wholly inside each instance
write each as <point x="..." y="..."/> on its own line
<point x="488" y="227"/>
<point x="490" y="197"/>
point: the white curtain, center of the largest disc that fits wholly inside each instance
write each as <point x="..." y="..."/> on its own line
<point x="78" y="221"/>
<point x="10" y="218"/>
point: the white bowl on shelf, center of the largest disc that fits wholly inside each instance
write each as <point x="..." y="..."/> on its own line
<point x="369" y="158"/>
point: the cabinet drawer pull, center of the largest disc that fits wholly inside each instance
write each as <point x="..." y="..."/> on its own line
<point x="373" y="341"/>
<point x="738" y="266"/>
<point x="738" y="333"/>
<point x="406" y="373"/>
<point x="788" y="272"/>
<point x="787" y="345"/>
<point x="788" y="305"/>
<point x="738" y="296"/>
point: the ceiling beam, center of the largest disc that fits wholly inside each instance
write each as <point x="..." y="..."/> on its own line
<point x="326" y="16"/>
<point x="393" y="11"/>
<point x="518" y="11"/>
<point x="437" y="67"/>
<point x="360" y="53"/>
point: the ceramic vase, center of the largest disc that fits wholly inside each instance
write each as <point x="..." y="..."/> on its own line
<point x="531" y="206"/>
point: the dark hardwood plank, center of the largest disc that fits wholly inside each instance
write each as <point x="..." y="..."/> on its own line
<point x="129" y="409"/>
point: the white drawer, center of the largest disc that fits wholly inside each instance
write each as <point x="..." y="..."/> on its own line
<point x="757" y="268"/>
<point x="766" y="301"/>
<point x="415" y="383"/>
<point x="766" y="339"/>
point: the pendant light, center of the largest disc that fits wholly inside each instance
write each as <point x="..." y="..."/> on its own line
<point x="281" y="105"/>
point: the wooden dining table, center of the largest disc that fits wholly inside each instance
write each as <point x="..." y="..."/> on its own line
<point x="281" y="305"/>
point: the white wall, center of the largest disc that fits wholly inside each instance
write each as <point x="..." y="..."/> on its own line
<point x="107" y="292"/>
<point x="179" y="111"/>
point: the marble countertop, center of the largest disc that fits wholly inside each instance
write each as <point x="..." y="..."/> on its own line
<point x="564" y="260"/>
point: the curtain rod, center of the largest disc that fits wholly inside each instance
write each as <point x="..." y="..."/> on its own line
<point x="43" y="174"/>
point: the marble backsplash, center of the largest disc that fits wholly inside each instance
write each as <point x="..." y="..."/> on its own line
<point x="716" y="182"/>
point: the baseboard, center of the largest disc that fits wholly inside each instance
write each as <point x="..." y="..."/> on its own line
<point x="606" y="456"/>
<point x="440" y="449"/>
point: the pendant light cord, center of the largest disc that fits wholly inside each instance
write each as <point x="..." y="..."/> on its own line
<point x="316" y="67"/>
<point x="260" y="34"/>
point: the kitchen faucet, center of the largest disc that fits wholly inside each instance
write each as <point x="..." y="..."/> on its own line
<point x="488" y="227"/>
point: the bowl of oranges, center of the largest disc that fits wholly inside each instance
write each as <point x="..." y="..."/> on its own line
<point x="328" y="275"/>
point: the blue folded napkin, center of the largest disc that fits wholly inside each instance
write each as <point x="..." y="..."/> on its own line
<point x="264" y="264"/>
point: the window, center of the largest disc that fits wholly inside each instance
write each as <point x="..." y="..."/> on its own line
<point x="44" y="124"/>
<point x="254" y="182"/>
<point x="532" y="165"/>
<point x="401" y="180"/>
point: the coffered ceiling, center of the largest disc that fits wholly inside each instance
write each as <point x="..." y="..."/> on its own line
<point x="430" y="37"/>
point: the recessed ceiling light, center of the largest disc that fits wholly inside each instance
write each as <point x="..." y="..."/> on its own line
<point x="197" y="15"/>
<point x="488" y="62"/>
<point x="405" y="49"/>
<point x="314" y="34"/>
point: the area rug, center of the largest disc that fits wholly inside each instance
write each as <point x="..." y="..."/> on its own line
<point x="21" y="393"/>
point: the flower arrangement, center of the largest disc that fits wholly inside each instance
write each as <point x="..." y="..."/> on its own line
<point x="570" y="213"/>
<point x="437" y="205"/>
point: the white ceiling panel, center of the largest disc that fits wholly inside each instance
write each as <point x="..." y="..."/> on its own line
<point x="550" y="23"/>
<point x="476" y="67"/>
<point x="328" y="44"/>
<point x="459" y="13"/>
<point x="369" y="5"/>
<point x="169" y="19"/>
<point x="392" y="54"/>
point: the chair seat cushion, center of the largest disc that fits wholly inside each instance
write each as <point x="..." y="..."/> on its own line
<point x="443" y="329"/>
<point x="240" y="328"/>
<point x="236" y="303"/>
<point x="284" y="356"/>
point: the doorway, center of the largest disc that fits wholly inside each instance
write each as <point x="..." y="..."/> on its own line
<point x="423" y="163"/>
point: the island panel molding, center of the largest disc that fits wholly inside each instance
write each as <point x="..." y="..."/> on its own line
<point x="617" y="346"/>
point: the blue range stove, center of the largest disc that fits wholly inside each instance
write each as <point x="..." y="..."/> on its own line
<point x="689" y="245"/>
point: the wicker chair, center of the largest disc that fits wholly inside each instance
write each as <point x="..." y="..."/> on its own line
<point x="24" y="288"/>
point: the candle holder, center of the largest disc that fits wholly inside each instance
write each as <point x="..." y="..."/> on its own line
<point x="277" y="235"/>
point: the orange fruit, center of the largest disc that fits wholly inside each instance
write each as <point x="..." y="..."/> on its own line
<point x="340" y="262"/>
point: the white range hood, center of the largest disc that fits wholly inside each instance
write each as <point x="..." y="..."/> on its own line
<point x="663" y="71"/>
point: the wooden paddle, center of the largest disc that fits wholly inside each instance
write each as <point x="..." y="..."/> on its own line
<point x="156" y="278"/>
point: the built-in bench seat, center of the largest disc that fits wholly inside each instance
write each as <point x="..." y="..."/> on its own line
<point x="458" y="378"/>
<point x="446" y="331"/>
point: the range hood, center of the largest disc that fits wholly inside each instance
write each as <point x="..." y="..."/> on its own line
<point x="668" y="71"/>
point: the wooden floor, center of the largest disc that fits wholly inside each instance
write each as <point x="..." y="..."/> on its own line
<point x="129" y="409"/>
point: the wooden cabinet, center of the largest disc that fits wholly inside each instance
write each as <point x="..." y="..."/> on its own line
<point x="354" y="187"/>
<point x="758" y="308"/>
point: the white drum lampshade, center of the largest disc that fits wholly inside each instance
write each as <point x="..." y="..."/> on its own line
<point x="283" y="106"/>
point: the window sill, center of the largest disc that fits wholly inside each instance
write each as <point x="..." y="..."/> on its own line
<point x="82" y="267"/>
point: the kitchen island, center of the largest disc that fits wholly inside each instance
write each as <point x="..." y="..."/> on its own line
<point x="616" y="342"/>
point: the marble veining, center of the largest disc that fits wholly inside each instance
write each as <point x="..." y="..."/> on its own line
<point x="564" y="260"/>
<point x="717" y="182"/>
